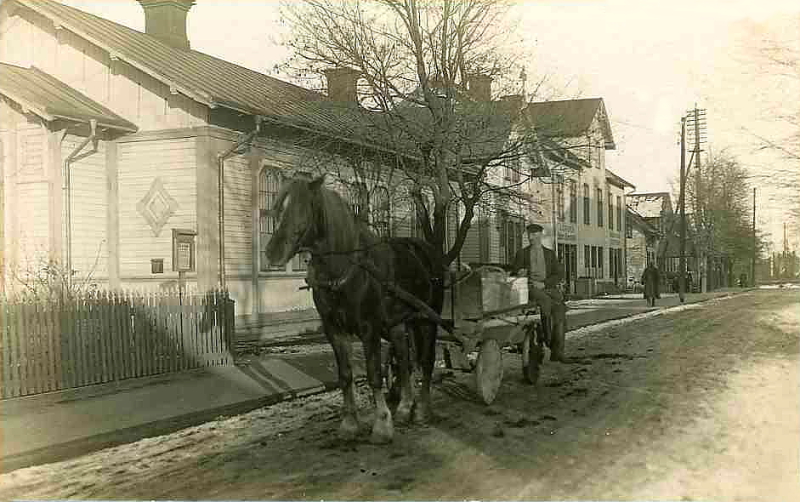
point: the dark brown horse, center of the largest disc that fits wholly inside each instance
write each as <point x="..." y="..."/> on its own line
<point x="361" y="285"/>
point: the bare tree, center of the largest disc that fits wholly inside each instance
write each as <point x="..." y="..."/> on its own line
<point x="776" y="59"/>
<point x="719" y="202"/>
<point x="421" y="69"/>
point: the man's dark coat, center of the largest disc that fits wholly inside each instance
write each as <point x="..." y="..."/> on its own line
<point x="554" y="269"/>
<point x="651" y="278"/>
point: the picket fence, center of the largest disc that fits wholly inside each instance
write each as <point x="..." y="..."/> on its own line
<point x="53" y="345"/>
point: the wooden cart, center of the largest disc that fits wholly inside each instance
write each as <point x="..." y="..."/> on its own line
<point x="490" y="312"/>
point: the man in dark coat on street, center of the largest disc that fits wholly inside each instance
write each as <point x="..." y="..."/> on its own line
<point x="544" y="272"/>
<point x="651" y="278"/>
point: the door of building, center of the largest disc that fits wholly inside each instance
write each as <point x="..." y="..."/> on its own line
<point x="568" y="256"/>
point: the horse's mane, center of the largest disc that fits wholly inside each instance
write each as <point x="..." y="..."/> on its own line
<point x="342" y="230"/>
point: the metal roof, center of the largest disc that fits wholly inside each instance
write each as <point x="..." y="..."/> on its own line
<point x="650" y="205"/>
<point x="207" y="79"/>
<point x="570" y="118"/>
<point x="617" y="179"/>
<point x="52" y="99"/>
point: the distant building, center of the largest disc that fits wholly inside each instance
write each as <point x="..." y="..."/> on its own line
<point x="590" y="202"/>
<point x="642" y="243"/>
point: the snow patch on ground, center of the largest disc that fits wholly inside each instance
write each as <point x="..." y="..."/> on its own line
<point x="595" y="328"/>
<point x="788" y="285"/>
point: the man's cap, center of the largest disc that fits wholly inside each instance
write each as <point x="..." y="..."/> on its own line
<point x="534" y="227"/>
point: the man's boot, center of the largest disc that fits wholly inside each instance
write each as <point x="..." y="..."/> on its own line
<point x="557" y="337"/>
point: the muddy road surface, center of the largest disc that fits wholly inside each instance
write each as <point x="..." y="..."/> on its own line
<point x="702" y="402"/>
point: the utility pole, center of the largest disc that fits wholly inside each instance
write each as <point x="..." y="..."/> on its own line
<point x="697" y="134"/>
<point x="682" y="201"/>
<point x="753" y="264"/>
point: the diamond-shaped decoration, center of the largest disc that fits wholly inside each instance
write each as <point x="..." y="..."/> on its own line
<point x="157" y="206"/>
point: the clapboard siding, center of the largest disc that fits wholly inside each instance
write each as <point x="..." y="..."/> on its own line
<point x="140" y="164"/>
<point x="32" y="40"/>
<point x="33" y="231"/>
<point x="238" y="216"/>
<point x="89" y="208"/>
<point x="31" y="152"/>
<point x="471" y="251"/>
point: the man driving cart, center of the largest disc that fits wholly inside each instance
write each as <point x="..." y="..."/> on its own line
<point x="544" y="272"/>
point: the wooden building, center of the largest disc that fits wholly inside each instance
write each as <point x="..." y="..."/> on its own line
<point x="589" y="202"/>
<point x="115" y="140"/>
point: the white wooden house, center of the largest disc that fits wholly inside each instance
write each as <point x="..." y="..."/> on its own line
<point x="113" y="139"/>
<point x="590" y="203"/>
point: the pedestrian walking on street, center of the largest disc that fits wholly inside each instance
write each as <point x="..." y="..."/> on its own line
<point x="651" y="278"/>
<point x="544" y="272"/>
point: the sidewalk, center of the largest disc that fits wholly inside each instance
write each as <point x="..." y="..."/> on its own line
<point x="56" y="426"/>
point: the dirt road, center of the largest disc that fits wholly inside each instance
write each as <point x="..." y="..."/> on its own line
<point x="698" y="404"/>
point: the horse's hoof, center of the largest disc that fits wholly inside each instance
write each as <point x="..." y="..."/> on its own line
<point x="422" y="415"/>
<point x="381" y="433"/>
<point x="349" y="429"/>
<point x="403" y="414"/>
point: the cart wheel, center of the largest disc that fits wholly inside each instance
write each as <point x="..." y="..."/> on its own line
<point x="532" y="356"/>
<point x="489" y="371"/>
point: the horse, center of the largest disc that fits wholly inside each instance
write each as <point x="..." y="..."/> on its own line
<point x="366" y="286"/>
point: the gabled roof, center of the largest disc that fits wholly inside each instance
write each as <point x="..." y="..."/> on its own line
<point x="617" y="180"/>
<point x="206" y="79"/>
<point x="571" y="118"/>
<point x="51" y="99"/>
<point x="650" y="205"/>
<point x="638" y="220"/>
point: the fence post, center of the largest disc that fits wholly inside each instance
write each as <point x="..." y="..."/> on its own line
<point x="230" y="331"/>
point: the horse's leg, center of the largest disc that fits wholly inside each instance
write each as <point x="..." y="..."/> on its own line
<point x="382" y="428"/>
<point x="425" y="338"/>
<point x="341" y="349"/>
<point x="399" y="338"/>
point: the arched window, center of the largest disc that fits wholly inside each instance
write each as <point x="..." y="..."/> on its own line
<point x="381" y="211"/>
<point x="269" y="184"/>
<point x="270" y="181"/>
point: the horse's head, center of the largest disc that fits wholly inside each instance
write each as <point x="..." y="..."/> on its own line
<point x="296" y="216"/>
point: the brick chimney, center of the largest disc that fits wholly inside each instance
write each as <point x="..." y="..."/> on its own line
<point x="480" y="87"/>
<point x="342" y="84"/>
<point x="166" y="20"/>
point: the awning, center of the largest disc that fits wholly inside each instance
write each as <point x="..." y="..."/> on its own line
<point x="52" y="99"/>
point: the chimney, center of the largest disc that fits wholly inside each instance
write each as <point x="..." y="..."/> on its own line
<point x="166" y="20"/>
<point x="342" y="84"/>
<point x="480" y="87"/>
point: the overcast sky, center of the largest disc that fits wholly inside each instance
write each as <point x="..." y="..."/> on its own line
<point x="649" y="60"/>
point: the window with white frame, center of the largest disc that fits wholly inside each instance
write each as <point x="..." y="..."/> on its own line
<point x="573" y="202"/>
<point x="610" y="210"/>
<point x="512" y="170"/>
<point x="599" y="192"/>
<point x="586" y="205"/>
